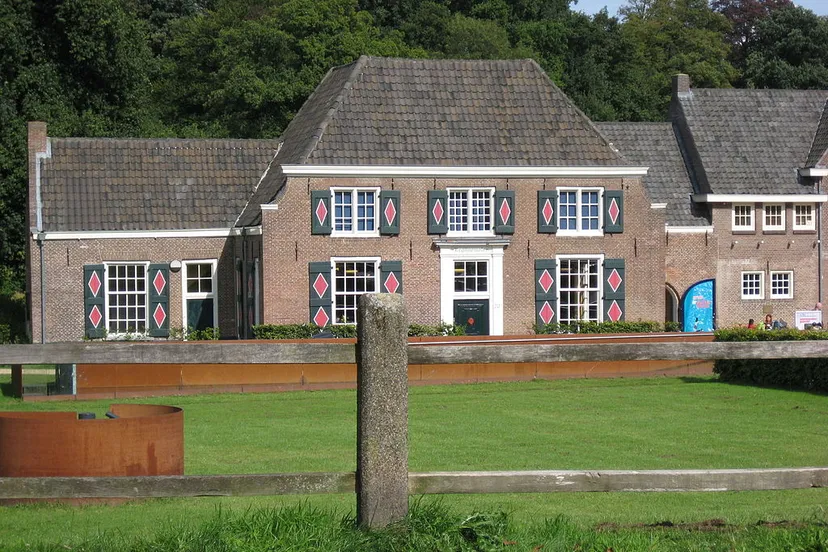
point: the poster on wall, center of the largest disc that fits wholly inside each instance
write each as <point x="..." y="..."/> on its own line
<point x="698" y="307"/>
<point x="803" y="318"/>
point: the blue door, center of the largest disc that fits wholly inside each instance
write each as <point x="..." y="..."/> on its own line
<point x="698" y="307"/>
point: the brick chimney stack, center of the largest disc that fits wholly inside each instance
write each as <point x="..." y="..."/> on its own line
<point x="681" y="85"/>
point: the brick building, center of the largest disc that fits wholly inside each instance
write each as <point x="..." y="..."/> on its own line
<point x="475" y="188"/>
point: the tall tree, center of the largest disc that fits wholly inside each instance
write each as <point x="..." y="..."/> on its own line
<point x="790" y="51"/>
<point x="744" y="17"/>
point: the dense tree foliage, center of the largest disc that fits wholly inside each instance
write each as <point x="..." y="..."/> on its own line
<point x="243" y="67"/>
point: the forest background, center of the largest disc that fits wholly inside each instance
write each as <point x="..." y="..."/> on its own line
<point x="242" y="68"/>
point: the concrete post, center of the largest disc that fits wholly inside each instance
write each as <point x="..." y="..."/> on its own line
<point x="382" y="410"/>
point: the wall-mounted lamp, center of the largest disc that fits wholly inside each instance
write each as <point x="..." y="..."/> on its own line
<point x="175" y="266"/>
<point x="790" y="243"/>
<point x="734" y="243"/>
<point x="759" y="243"/>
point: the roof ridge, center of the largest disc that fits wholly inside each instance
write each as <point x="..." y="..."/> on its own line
<point x="344" y="91"/>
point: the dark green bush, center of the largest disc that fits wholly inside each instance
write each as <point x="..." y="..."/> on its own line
<point x="424" y="330"/>
<point x="207" y="334"/>
<point x="307" y="331"/>
<point x="808" y="374"/>
<point x="598" y="328"/>
<point x="13" y="318"/>
<point x="285" y="331"/>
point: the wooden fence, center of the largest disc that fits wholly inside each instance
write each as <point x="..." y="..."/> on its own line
<point x="382" y="481"/>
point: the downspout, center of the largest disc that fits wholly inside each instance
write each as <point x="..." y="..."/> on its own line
<point x="819" y="245"/>
<point x="39" y="156"/>
<point x="245" y="307"/>
<point x="42" y="289"/>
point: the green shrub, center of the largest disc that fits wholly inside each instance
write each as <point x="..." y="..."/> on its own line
<point x="307" y="331"/>
<point x="348" y="330"/>
<point x="424" y="330"/>
<point x="13" y="318"/>
<point x="598" y="328"/>
<point x="207" y="334"/>
<point x="808" y="374"/>
<point x="285" y="331"/>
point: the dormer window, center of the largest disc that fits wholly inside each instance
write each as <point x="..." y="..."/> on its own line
<point x="743" y="219"/>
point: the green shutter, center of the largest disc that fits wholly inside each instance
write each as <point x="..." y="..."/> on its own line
<point x="389" y="212"/>
<point x="94" y="288"/>
<point x="613" y="211"/>
<point x="547" y="211"/>
<point x="158" y="281"/>
<point x="615" y="283"/>
<point x="504" y="212"/>
<point x="319" y="292"/>
<point x="546" y="291"/>
<point x="391" y="277"/>
<point x="437" y="211"/>
<point x="321" y="212"/>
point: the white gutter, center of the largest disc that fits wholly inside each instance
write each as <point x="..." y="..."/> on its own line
<point x="437" y="171"/>
<point x="813" y="172"/>
<point x="759" y="198"/>
<point x="688" y="229"/>
<point x="137" y="234"/>
<point x="39" y="156"/>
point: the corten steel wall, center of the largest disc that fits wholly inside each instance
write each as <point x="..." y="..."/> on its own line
<point x="65" y="260"/>
<point x="288" y="247"/>
<point x="144" y="440"/>
<point x="135" y="380"/>
<point x="788" y="250"/>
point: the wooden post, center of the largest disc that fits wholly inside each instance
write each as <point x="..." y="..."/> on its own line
<point x="382" y="410"/>
<point x="17" y="380"/>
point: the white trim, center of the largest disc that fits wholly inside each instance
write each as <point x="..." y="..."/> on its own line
<point x="687" y="229"/>
<point x="436" y="171"/>
<point x="494" y="256"/>
<point x="377" y="281"/>
<point x="769" y="227"/>
<point x="805" y="227"/>
<point x="133" y="234"/>
<point x="354" y="233"/>
<point x="658" y="205"/>
<point x="200" y="295"/>
<point x="813" y="172"/>
<point x="269" y="206"/>
<point x="578" y="233"/>
<point x="759" y="198"/>
<point x="790" y="274"/>
<point x="39" y="156"/>
<point x="114" y="334"/>
<point x="600" y="258"/>
<point x="468" y="210"/>
<point x="747" y="227"/>
<point x="761" y="295"/>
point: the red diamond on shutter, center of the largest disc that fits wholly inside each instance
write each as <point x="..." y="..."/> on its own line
<point x="614" y="211"/>
<point x="321" y="211"/>
<point x="546" y="281"/>
<point x="547" y="212"/>
<point x="320" y="285"/>
<point x="437" y="211"/>
<point x="391" y="283"/>
<point x="504" y="211"/>
<point x="614" y="280"/>
<point x="390" y="212"/>
<point x="94" y="284"/>
<point x="159" y="282"/>
<point x="614" y="312"/>
<point x="159" y="315"/>
<point x="95" y="316"/>
<point x="321" y="318"/>
<point x="546" y="313"/>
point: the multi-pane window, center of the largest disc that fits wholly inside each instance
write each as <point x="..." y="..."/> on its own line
<point x="471" y="276"/>
<point x="743" y="217"/>
<point x="200" y="294"/>
<point x="774" y="217"/>
<point x="753" y="285"/>
<point x="355" y="211"/>
<point x="804" y="216"/>
<point x="352" y="279"/>
<point x="579" y="210"/>
<point x="781" y="284"/>
<point x="126" y="297"/>
<point x="470" y="211"/>
<point x="579" y="290"/>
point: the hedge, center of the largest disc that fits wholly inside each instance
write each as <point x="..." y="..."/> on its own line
<point x="600" y="328"/>
<point x="13" y="318"/>
<point x="307" y="331"/>
<point x="807" y="374"/>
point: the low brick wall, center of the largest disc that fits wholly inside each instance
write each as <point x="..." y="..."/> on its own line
<point x="136" y="380"/>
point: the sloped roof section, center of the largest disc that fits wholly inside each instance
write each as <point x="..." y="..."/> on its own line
<point x="414" y="112"/>
<point x="820" y="143"/>
<point x="106" y="184"/>
<point x="654" y="145"/>
<point x="752" y="141"/>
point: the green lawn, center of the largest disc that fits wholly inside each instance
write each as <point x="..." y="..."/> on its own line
<point x="572" y="424"/>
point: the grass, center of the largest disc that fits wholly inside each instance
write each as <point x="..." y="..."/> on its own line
<point x="575" y="424"/>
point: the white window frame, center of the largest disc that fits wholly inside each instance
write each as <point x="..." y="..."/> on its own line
<point x="811" y="225"/>
<point x="761" y="294"/>
<point x="354" y="232"/>
<point x="468" y="208"/>
<point x="377" y="268"/>
<point x="734" y="216"/>
<point x="114" y="334"/>
<point x="600" y="264"/>
<point x="772" y="227"/>
<point x="494" y="255"/>
<point x="185" y="295"/>
<point x="579" y="191"/>
<point x="790" y="276"/>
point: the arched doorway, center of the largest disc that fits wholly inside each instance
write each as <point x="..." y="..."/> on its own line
<point x="671" y="304"/>
<point x="698" y="307"/>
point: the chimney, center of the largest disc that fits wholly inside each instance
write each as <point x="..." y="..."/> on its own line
<point x="37" y="137"/>
<point x="681" y="85"/>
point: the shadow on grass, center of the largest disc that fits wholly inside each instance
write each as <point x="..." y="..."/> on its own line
<point x="700" y="379"/>
<point x="6" y="390"/>
<point x="697" y="379"/>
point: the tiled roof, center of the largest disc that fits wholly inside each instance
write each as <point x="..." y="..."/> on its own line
<point x="820" y="143"/>
<point x="138" y="184"/>
<point x="654" y="145"/>
<point x="383" y="111"/>
<point x="752" y="141"/>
